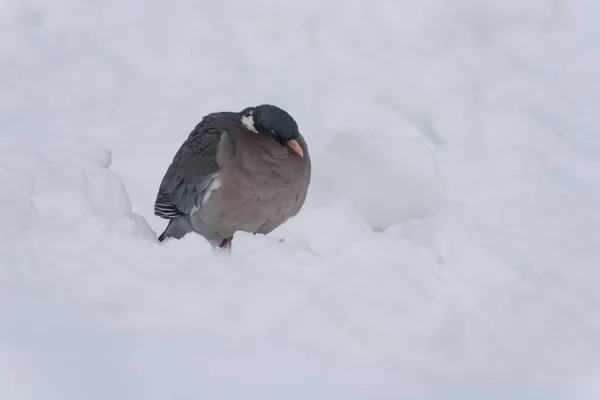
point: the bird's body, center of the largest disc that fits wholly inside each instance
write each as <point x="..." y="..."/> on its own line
<point x="246" y="171"/>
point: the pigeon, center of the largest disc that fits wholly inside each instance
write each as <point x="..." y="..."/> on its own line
<point x="237" y="171"/>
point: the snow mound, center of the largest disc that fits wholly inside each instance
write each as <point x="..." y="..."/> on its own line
<point x="339" y="226"/>
<point x="422" y="294"/>
<point x="388" y="179"/>
<point x="78" y="190"/>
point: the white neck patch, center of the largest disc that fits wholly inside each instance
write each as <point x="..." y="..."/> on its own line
<point x="248" y="122"/>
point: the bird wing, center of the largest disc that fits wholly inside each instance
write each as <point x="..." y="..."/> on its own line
<point x="194" y="170"/>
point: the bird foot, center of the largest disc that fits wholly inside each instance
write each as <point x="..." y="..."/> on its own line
<point x="225" y="243"/>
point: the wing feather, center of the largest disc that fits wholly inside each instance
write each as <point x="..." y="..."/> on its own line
<point x="193" y="173"/>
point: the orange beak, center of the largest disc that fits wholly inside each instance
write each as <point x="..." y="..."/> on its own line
<point x="292" y="144"/>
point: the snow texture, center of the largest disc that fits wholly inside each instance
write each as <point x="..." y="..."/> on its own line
<point x="448" y="248"/>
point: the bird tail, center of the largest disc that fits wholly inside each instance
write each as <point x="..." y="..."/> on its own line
<point x="177" y="228"/>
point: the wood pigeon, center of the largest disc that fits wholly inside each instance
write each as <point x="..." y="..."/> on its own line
<point x="237" y="171"/>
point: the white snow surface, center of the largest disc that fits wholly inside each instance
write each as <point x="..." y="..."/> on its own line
<point x="449" y="247"/>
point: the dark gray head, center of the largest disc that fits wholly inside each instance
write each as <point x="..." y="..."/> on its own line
<point x="274" y="123"/>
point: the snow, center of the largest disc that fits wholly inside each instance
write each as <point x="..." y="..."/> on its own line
<point x="448" y="247"/>
<point x="388" y="179"/>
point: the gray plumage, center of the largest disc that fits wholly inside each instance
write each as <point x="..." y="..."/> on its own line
<point x="237" y="171"/>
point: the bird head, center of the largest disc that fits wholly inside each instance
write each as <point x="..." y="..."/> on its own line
<point x="275" y="123"/>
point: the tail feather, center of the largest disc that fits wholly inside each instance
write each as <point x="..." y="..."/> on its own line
<point x="177" y="228"/>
